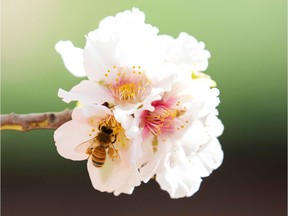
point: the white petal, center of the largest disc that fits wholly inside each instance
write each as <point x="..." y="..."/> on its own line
<point x="112" y="177"/>
<point x="72" y="57"/>
<point x="98" y="58"/>
<point x="87" y="92"/>
<point x="154" y="161"/>
<point x="100" y="176"/>
<point x="178" y="183"/>
<point x="214" y="125"/>
<point x="152" y="167"/>
<point x="133" y="180"/>
<point x="206" y="158"/>
<point x="211" y="155"/>
<point x="187" y="50"/>
<point x="69" y="136"/>
<point x="126" y="121"/>
<point x="176" y="178"/>
<point x="194" y="137"/>
<point x="135" y="150"/>
<point x="83" y="113"/>
<point x="162" y="76"/>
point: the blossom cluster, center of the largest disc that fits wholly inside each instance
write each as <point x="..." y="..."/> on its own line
<point x="147" y="110"/>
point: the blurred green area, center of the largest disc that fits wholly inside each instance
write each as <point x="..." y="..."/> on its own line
<point x="247" y="40"/>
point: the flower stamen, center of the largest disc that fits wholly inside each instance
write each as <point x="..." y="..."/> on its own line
<point x="161" y="119"/>
<point x="127" y="86"/>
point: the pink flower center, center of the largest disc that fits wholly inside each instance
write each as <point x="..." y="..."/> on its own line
<point x="161" y="120"/>
<point x="126" y="89"/>
<point x="127" y="84"/>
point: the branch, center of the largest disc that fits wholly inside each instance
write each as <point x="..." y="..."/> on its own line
<point x="27" y="122"/>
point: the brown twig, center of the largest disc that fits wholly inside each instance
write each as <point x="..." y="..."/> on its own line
<point x="27" y="122"/>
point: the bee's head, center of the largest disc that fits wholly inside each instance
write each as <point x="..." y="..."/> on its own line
<point x="106" y="129"/>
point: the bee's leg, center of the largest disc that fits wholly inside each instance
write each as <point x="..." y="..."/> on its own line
<point x="115" y="138"/>
<point x="111" y="152"/>
<point x="107" y="121"/>
<point x="114" y="126"/>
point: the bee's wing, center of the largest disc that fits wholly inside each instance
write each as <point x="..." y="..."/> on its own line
<point x="113" y="153"/>
<point x="84" y="146"/>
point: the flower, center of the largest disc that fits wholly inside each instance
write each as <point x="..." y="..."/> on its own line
<point x="79" y="138"/>
<point x="146" y="95"/>
<point x="180" y="142"/>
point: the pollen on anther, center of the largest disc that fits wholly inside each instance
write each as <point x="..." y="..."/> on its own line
<point x="140" y="72"/>
<point x="182" y="126"/>
<point x="133" y="66"/>
<point x="139" y="67"/>
<point x="93" y="129"/>
<point x="106" y="75"/>
<point x="90" y="134"/>
<point x="114" y="66"/>
<point x="108" y="71"/>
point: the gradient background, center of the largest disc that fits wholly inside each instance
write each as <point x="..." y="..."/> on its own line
<point x="247" y="40"/>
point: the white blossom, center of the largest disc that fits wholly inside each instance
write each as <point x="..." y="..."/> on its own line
<point x="164" y="108"/>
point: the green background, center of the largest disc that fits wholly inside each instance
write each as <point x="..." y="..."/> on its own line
<point x="247" y="41"/>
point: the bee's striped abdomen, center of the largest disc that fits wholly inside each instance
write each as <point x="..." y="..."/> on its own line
<point x="98" y="156"/>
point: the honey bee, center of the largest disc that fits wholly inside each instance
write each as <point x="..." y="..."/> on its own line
<point x="97" y="146"/>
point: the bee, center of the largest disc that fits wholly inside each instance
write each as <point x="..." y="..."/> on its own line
<point x="97" y="146"/>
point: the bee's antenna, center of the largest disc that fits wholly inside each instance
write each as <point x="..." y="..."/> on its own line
<point x="99" y="126"/>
